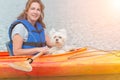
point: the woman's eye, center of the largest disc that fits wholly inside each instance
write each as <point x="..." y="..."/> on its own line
<point x="32" y="8"/>
<point x="38" y="9"/>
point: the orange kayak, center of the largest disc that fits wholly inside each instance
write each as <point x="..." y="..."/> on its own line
<point x="79" y="62"/>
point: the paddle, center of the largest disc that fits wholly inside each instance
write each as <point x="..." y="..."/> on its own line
<point x="25" y="65"/>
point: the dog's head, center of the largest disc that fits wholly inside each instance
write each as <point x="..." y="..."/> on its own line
<point x="58" y="38"/>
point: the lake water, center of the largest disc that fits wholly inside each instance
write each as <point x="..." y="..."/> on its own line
<point x="93" y="23"/>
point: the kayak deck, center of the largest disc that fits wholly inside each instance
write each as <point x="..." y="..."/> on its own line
<point x="78" y="63"/>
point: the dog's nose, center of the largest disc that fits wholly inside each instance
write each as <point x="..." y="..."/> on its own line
<point x="56" y="39"/>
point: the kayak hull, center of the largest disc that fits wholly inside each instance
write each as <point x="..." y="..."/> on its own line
<point x="63" y="65"/>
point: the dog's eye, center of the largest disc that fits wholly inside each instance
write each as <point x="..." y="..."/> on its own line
<point x="60" y="37"/>
<point x="54" y="36"/>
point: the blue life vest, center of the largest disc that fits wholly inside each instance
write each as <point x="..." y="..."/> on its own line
<point x="36" y="36"/>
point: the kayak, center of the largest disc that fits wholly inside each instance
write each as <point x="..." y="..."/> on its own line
<point x="78" y="62"/>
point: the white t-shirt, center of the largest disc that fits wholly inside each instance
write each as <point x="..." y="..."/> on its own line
<point x="21" y="30"/>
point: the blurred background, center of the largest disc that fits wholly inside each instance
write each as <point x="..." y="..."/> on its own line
<point x="93" y="23"/>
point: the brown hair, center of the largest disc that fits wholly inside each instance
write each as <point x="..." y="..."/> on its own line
<point x="23" y="15"/>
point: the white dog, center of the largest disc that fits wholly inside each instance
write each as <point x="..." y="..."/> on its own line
<point x="58" y="39"/>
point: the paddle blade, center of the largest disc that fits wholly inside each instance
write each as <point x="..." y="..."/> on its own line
<point x="23" y="66"/>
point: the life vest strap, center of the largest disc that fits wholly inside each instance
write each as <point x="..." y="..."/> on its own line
<point x="36" y="44"/>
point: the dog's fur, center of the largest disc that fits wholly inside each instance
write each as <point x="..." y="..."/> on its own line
<point x="58" y="39"/>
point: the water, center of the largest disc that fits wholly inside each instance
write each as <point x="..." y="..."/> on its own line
<point x="8" y="13"/>
<point x="88" y="22"/>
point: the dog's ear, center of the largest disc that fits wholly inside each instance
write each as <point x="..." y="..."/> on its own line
<point x="52" y="31"/>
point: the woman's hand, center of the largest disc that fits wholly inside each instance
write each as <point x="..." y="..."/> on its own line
<point x="43" y="49"/>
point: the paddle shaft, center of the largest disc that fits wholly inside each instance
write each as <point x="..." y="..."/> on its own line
<point x="30" y="60"/>
<point x="37" y="55"/>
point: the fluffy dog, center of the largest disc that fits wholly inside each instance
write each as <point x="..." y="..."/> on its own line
<point x="58" y="39"/>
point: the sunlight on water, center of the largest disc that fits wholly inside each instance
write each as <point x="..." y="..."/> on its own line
<point x="113" y="8"/>
<point x="114" y="5"/>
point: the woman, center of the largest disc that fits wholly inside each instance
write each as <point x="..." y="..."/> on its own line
<point x="27" y="34"/>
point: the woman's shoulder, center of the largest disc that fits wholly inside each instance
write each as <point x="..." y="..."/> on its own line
<point x="20" y="29"/>
<point x="19" y="26"/>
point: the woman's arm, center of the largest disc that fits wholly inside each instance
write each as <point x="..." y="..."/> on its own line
<point x="17" y="47"/>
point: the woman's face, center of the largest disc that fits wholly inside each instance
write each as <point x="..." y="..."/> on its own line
<point x="34" y="12"/>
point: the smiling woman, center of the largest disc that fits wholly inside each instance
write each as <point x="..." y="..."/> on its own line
<point x="27" y="34"/>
